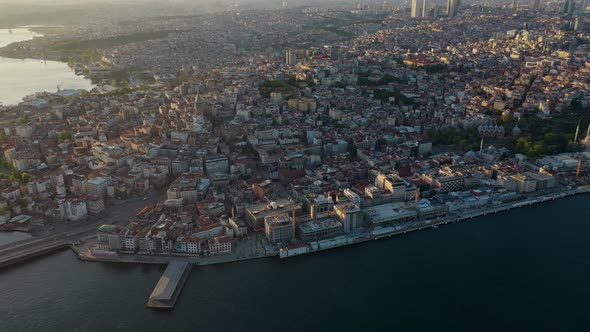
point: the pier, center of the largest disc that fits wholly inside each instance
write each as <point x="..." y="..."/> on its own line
<point x="170" y="285"/>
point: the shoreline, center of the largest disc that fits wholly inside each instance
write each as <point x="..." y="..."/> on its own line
<point x="332" y="243"/>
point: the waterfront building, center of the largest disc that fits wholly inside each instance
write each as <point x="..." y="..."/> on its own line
<point x="427" y="210"/>
<point x="256" y="213"/>
<point x="544" y="181"/>
<point x="390" y="213"/>
<point x="350" y="215"/>
<point x="188" y="244"/>
<point x="318" y="228"/>
<point x="524" y="183"/>
<point x="131" y="244"/>
<point x="111" y="237"/>
<point x="219" y="245"/>
<point x="278" y="228"/>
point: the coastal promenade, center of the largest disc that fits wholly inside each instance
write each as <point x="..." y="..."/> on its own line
<point x="253" y="249"/>
<point x="380" y="233"/>
<point x="245" y="249"/>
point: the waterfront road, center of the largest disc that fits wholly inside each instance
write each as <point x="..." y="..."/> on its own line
<point x="118" y="212"/>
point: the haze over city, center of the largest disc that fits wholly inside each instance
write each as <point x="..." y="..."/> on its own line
<point x="294" y="165"/>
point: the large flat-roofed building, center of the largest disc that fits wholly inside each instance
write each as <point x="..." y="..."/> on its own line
<point x="428" y="210"/>
<point x="390" y="213"/>
<point x="524" y="183"/>
<point x="350" y="215"/>
<point x="544" y="181"/>
<point x="319" y="229"/>
<point x="217" y="165"/>
<point x="393" y="184"/>
<point x="278" y="228"/>
<point x="255" y="213"/>
<point x="445" y="184"/>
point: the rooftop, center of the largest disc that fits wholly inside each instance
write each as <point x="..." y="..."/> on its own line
<point x="319" y="224"/>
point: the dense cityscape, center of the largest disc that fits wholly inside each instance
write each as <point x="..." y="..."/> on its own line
<point x="249" y="133"/>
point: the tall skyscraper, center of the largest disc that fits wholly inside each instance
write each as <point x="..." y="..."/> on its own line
<point x="513" y="4"/>
<point x="415" y="10"/>
<point x="452" y="7"/>
<point x="290" y="57"/>
<point x="423" y="8"/>
<point x="572" y="7"/>
<point x="566" y="7"/>
<point x="536" y="4"/>
<point x="578" y="24"/>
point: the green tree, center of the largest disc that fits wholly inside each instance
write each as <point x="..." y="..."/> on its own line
<point x="63" y="136"/>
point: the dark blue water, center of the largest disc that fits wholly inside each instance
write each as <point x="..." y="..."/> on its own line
<point x="526" y="270"/>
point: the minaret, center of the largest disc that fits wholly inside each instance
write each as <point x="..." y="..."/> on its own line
<point x="588" y="131"/>
<point x="577" y="132"/>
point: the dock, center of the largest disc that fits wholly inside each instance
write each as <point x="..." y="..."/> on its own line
<point x="170" y="285"/>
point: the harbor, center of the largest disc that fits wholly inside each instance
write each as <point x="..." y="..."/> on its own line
<point x="170" y="285"/>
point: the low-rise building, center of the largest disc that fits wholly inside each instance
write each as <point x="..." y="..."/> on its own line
<point x="219" y="245"/>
